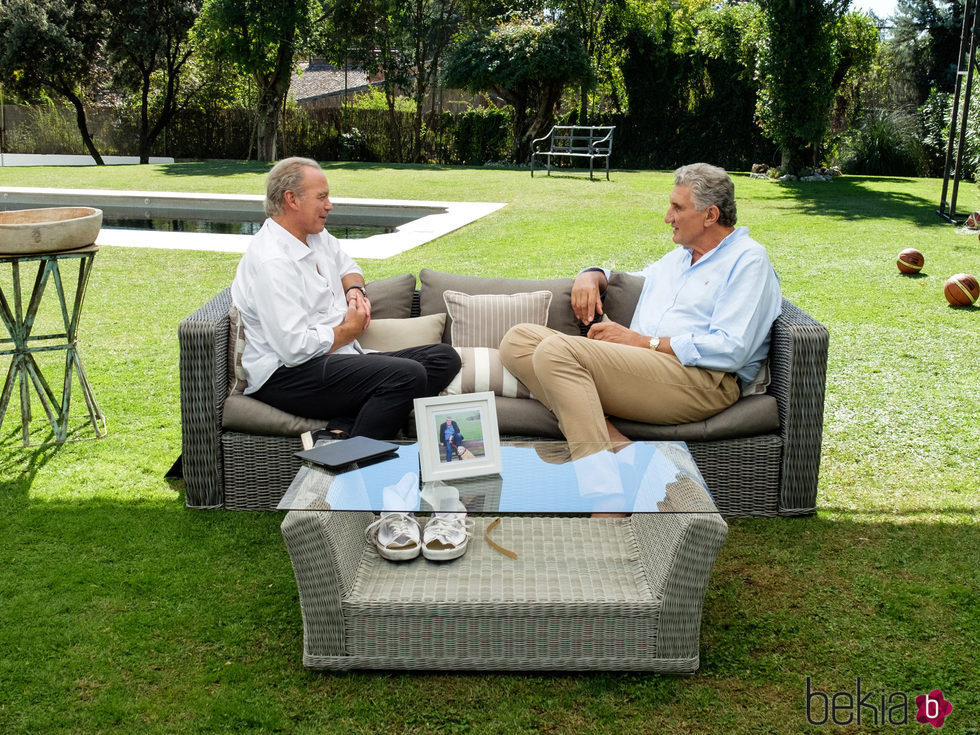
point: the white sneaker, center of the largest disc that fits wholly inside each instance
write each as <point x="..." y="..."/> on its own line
<point x="446" y="535"/>
<point x="396" y="536"/>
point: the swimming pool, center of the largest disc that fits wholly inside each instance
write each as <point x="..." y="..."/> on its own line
<point x="406" y="224"/>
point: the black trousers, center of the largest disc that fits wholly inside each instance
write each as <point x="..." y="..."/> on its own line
<point x="372" y="393"/>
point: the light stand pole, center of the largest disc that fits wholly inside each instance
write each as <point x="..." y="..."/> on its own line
<point x="964" y="71"/>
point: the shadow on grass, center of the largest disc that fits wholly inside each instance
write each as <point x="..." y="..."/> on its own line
<point x="22" y="463"/>
<point x="580" y="174"/>
<point x="225" y="167"/>
<point x="207" y="599"/>
<point x="895" y="603"/>
<point x="214" y="168"/>
<point x="861" y="197"/>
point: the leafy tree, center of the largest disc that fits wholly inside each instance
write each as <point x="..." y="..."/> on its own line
<point x="53" y="45"/>
<point x="924" y="46"/>
<point x="403" y="42"/>
<point x="588" y="18"/>
<point x="796" y="68"/>
<point x="261" y="38"/>
<point x="723" y="88"/>
<point x="149" y="43"/>
<point x="657" y="73"/>
<point x="856" y="49"/>
<point x="431" y="25"/>
<point x="527" y="63"/>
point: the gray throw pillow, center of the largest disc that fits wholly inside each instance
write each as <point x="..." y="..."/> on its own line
<point x="391" y="298"/>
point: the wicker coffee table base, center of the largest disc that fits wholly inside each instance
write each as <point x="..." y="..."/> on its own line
<point x="583" y="594"/>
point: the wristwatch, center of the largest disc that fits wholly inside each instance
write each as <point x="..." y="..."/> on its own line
<point x="358" y="287"/>
<point x="654" y="343"/>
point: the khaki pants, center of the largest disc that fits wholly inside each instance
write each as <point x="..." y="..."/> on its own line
<point x="582" y="380"/>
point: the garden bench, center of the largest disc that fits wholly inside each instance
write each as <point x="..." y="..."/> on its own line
<point x="574" y="141"/>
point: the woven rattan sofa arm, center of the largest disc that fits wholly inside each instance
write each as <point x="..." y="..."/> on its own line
<point x="325" y="549"/>
<point x="798" y="364"/>
<point x="678" y="552"/>
<point x="203" y="341"/>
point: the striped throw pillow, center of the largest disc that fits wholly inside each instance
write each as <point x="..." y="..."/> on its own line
<point x="482" y="320"/>
<point x="237" y="379"/>
<point x="482" y="370"/>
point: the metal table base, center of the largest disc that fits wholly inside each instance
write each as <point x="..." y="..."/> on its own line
<point x="24" y="369"/>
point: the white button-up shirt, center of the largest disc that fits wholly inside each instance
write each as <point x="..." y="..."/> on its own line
<point x="290" y="296"/>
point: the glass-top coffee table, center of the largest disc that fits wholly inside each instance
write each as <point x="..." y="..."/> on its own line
<point x="555" y="587"/>
<point x="537" y="478"/>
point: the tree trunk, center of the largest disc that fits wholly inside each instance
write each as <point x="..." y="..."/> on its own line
<point x="394" y="132"/>
<point x="793" y="157"/>
<point x="83" y="125"/>
<point x="266" y="129"/>
<point x="544" y="116"/>
<point x="273" y="88"/>
<point x="271" y="94"/>
<point x="144" y="142"/>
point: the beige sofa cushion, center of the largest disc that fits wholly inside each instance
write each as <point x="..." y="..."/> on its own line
<point x="388" y="335"/>
<point x="237" y="382"/>
<point x="482" y="370"/>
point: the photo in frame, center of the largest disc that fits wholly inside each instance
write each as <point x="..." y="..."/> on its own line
<point x="457" y="436"/>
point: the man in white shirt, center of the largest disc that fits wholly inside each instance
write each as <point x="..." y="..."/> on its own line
<point x="303" y="304"/>
<point x="700" y="329"/>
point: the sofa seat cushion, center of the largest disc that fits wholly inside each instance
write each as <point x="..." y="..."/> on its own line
<point x="434" y="283"/>
<point x="750" y="416"/>
<point x="251" y="416"/>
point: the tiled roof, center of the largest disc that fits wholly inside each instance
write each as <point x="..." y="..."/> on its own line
<point x="319" y="79"/>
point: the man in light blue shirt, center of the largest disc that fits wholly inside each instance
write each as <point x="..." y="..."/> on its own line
<point x="701" y="327"/>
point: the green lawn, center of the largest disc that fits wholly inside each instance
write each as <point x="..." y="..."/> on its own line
<point x="120" y="610"/>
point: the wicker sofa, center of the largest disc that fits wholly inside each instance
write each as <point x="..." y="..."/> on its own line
<point x="760" y="457"/>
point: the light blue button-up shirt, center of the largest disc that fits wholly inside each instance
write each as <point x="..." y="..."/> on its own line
<point x="717" y="312"/>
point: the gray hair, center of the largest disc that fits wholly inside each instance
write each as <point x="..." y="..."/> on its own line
<point x="709" y="185"/>
<point x="287" y="175"/>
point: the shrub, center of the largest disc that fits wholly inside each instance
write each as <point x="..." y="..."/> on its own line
<point x="352" y="145"/>
<point x="934" y="116"/>
<point x="482" y="134"/>
<point x="47" y="129"/>
<point x="884" y="144"/>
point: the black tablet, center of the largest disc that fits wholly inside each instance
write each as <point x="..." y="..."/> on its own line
<point x="340" y="454"/>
